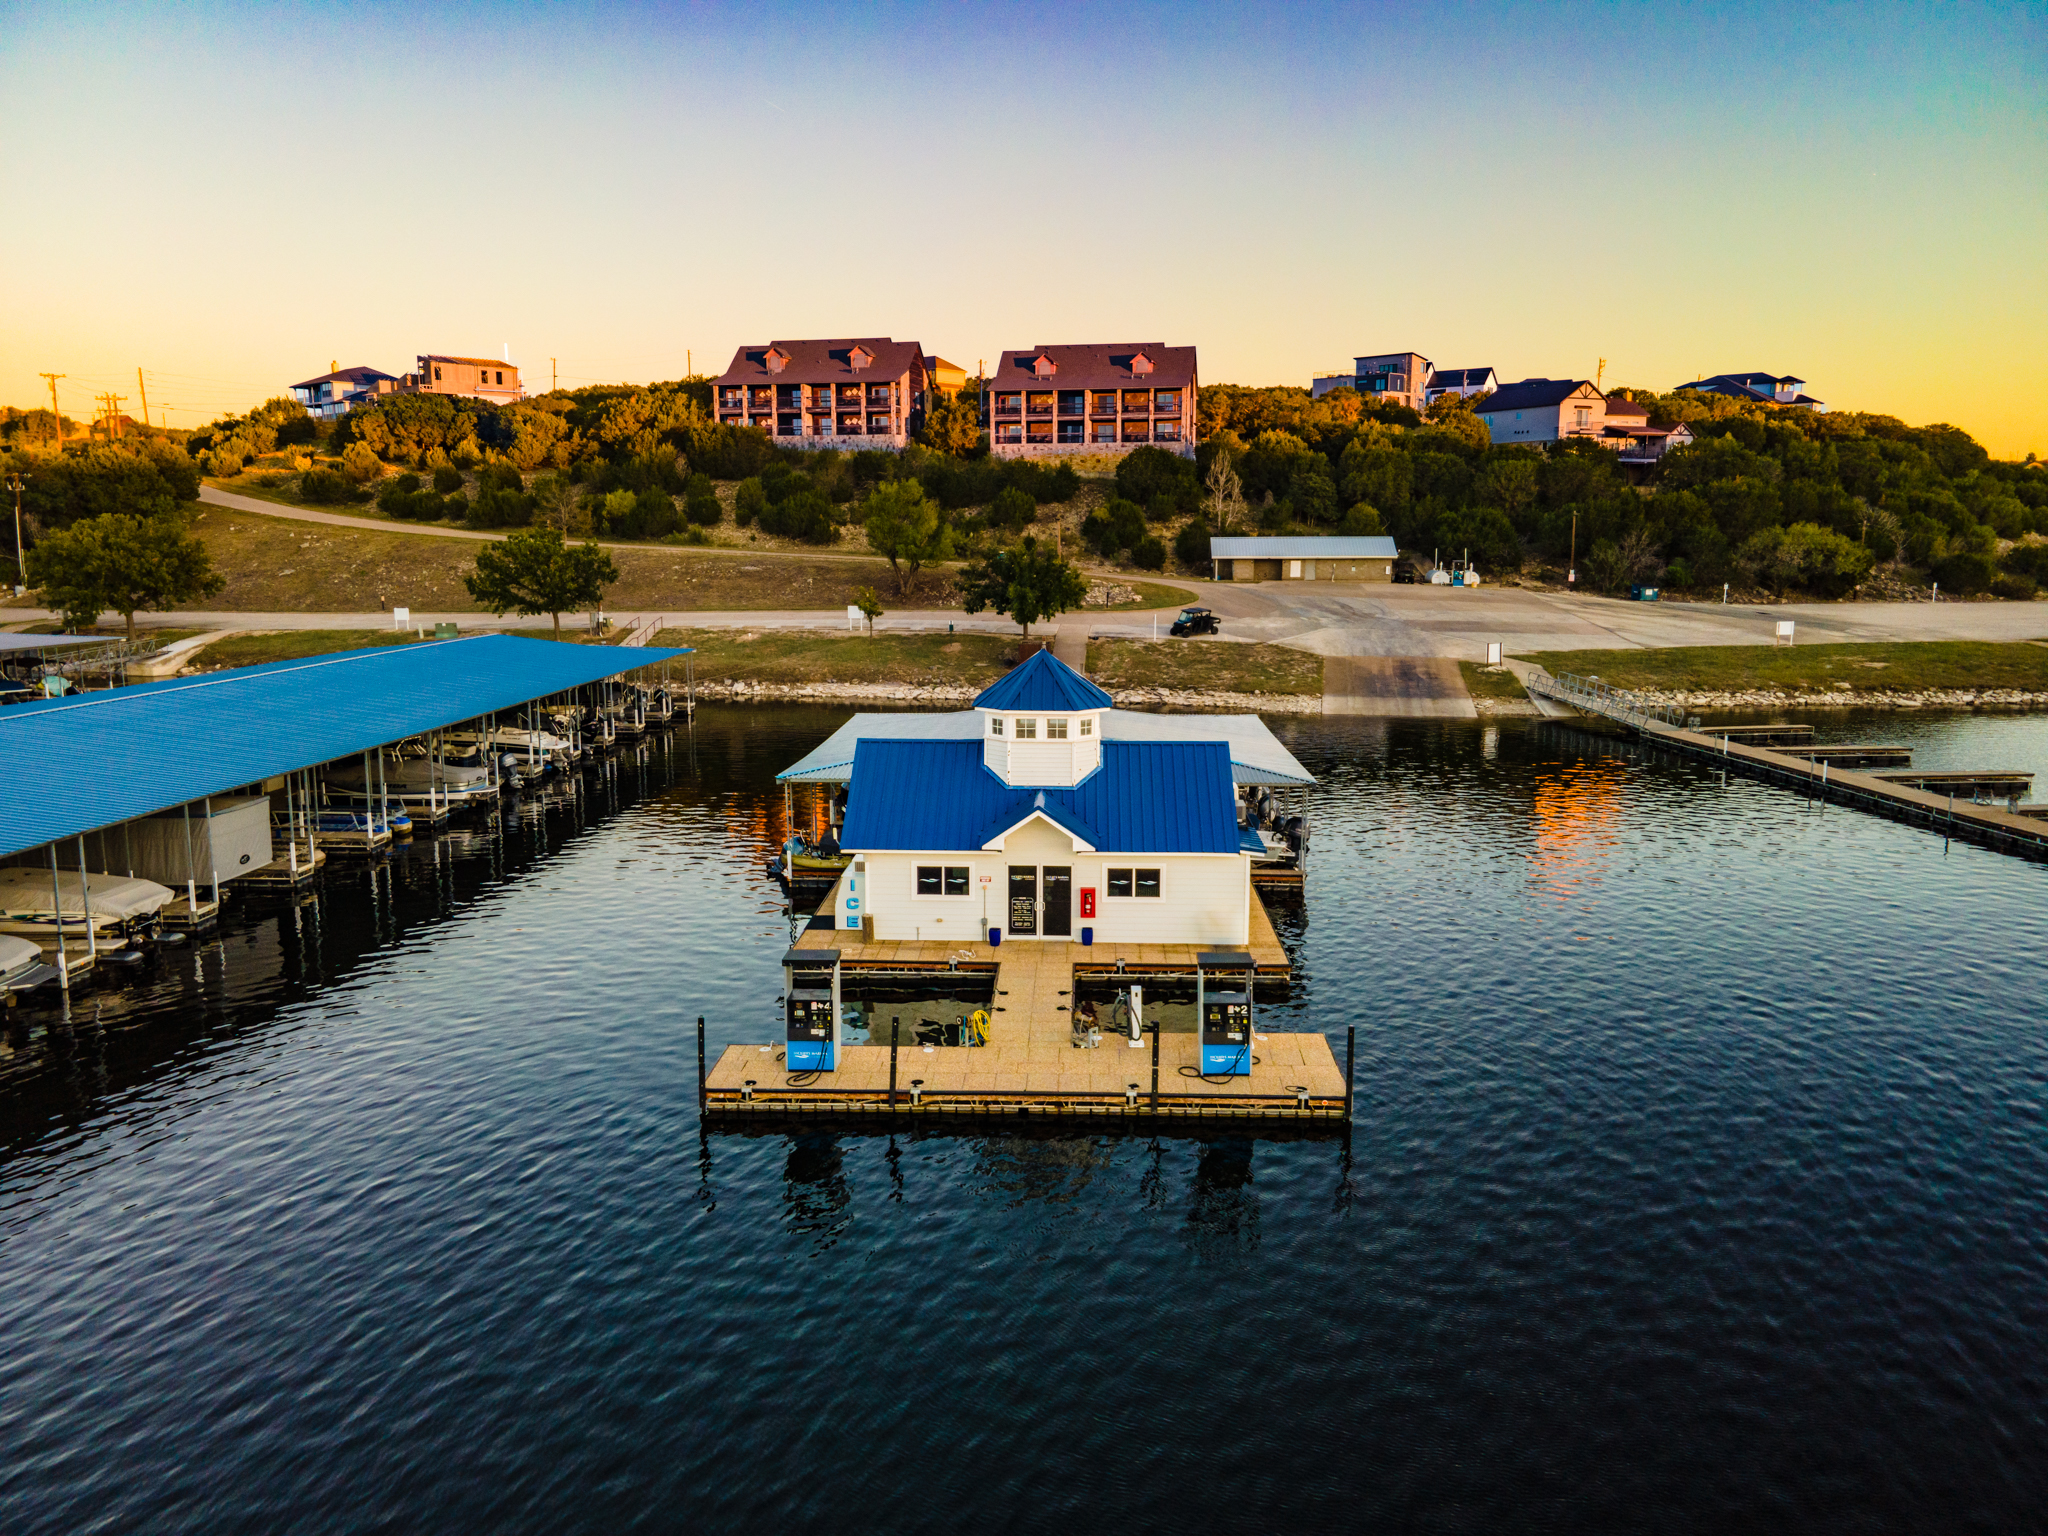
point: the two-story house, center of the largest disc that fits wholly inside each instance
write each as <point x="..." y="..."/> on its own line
<point x="1766" y="388"/>
<point x="480" y="378"/>
<point x="853" y="392"/>
<point x="341" y="390"/>
<point x="1544" y="411"/>
<point x="1100" y="397"/>
<point x="1461" y="381"/>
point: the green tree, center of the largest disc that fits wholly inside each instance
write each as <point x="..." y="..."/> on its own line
<point x="952" y="422"/>
<point x="362" y="466"/>
<point x="126" y="564"/>
<point x="1509" y="482"/>
<point x="870" y="607"/>
<point x="1013" y="508"/>
<point x="910" y="530"/>
<point x="1028" y="582"/>
<point x="533" y="572"/>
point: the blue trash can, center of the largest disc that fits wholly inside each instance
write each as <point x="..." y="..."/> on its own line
<point x="1087" y="936"/>
<point x="995" y="938"/>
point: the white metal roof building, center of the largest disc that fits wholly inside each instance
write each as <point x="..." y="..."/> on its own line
<point x="1304" y="558"/>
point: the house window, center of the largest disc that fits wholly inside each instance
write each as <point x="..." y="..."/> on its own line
<point x="1087" y="725"/>
<point x="437" y="373"/>
<point x="942" y="880"/>
<point x="1581" y="417"/>
<point x="995" y="725"/>
<point x="1027" y="730"/>
<point x="501" y="376"/>
<point x="1119" y="882"/>
<point x="1133" y="882"/>
<point x="1148" y="882"/>
<point x="1055" y="730"/>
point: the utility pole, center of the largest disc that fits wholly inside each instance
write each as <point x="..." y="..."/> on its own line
<point x="112" y="404"/>
<point x="551" y="375"/>
<point x="20" y="567"/>
<point x="56" y="416"/>
<point x="143" y="389"/>
<point x="1600" y="373"/>
<point x="1571" y="575"/>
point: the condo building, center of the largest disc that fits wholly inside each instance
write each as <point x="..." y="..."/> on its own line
<point x="858" y="392"/>
<point x="1105" y="397"/>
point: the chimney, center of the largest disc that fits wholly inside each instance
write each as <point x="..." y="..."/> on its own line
<point x="335" y="366"/>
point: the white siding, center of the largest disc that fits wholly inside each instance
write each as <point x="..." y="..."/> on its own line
<point x="1203" y="898"/>
<point x="1040" y="761"/>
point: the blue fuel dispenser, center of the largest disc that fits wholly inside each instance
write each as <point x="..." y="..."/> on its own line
<point x="1223" y="999"/>
<point x="810" y="1003"/>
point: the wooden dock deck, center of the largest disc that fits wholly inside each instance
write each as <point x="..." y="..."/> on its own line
<point x="1031" y="1064"/>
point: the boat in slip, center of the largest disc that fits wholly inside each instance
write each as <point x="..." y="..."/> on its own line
<point x="417" y="783"/>
<point x="525" y="754"/>
<point x="117" y="910"/>
<point x="344" y="829"/>
<point x="21" y="965"/>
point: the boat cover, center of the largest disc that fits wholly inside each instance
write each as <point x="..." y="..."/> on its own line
<point x="235" y="840"/>
<point x="25" y="892"/>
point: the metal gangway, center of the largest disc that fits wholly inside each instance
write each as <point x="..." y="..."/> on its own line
<point x="1598" y="698"/>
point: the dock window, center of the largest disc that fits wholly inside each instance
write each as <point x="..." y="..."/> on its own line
<point x="942" y="880"/>
<point x="1055" y="730"/>
<point x="1027" y="730"/>
<point x="1133" y="882"/>
<point x="1148" y="882"/>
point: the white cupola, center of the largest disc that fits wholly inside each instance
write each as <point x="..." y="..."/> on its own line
<point x="1042" y="725"/>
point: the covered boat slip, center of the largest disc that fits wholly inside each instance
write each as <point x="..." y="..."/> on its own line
<point x="147" y="777"/>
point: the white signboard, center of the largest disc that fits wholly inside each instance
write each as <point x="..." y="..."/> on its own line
<point x="1493" y="653"/>
<point x="400" y="617"/>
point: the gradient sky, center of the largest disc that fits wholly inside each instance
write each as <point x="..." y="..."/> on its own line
<point x="233" y="197"/>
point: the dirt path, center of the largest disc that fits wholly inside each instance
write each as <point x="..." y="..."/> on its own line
<point x="1414" y="686"/>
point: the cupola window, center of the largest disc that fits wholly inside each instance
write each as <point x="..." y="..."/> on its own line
<point x="1027" y="730"/>
<point x="1055" y="730"/>
<point x="995" y="725"/>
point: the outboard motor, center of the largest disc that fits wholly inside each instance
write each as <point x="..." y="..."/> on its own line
<point x="1223" y="999"/>
<point x="810" y="1007"/>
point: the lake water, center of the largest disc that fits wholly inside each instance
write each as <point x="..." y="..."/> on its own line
<point x="1699" y="1181"/>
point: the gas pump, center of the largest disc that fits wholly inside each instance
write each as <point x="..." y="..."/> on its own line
<point x="810" y="1004"/>
<point x="1223" y="998"/>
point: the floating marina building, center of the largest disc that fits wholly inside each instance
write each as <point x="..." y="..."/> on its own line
<point x="1044" y="812"/>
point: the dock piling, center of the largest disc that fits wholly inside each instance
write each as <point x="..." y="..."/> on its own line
<point x="1350" y="1057"/>
<point x="700" y="1064"/>
<point x="1155" y="1067"/>
<point x="895" y="1030"/>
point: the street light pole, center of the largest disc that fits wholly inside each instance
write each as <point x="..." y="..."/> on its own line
<point x="20" y="570"/>
<point x="1571" y="575"/>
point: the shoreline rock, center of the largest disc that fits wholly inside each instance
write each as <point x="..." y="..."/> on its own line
<point x="960" y="694"/>
<point x="1852" y="698"/>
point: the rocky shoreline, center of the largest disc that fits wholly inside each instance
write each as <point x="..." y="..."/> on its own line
<point x="1852" y="698"/>
<point x="959" y="695"/>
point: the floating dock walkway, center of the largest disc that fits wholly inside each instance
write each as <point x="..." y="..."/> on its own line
<point x="1921" y="798"/>
<point x="1030" y="1064"/>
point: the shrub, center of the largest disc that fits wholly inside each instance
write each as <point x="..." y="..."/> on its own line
<point x="397" y="493"/>
<point x="1118" y="526"/>
<point x="1012" y="508"/>
<point x="360" y="464"/>
<point x="1966" y="571"/>
<point x="806" y="515"/>
<point x="700" y="502"/>
<point x="1146" y="473"/>
<point x="500" y="477"/>
<point x="447" y="478"/>
<point x="748" y="502"/>
<point x="1149" y="554"/>
<point x="323" y="487"/>
<point x="455" y="508"/>
<point x="2019" y="589"/>
<point x="496" y="507"/>
<point x="1191" y="546"/>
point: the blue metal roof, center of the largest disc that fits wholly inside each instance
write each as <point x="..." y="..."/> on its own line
<point x="1043" y="682"/>
<point x="1147" y="797"/>
<point x="92" y="760"/>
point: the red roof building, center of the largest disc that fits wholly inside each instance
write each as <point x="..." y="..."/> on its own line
<point x="1105" y="397"/>
<point x="852" y="392"/>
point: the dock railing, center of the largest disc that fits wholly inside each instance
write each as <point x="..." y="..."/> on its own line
<point x="1598" y="698"/>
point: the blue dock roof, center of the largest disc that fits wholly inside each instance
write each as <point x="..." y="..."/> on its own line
<point x="1147" y="797"/>
<point x="95" y="759"/>
<point x="1043" y="682"/>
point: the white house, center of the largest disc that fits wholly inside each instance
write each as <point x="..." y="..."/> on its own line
<point x="1047" y="814"/>
<point x="1544" y="411"/>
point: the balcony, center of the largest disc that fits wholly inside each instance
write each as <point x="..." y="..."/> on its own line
<point x="1073" y="405"/>
<point x="732" y="400"/>
<point x="1137" y="432"/>
<point x="1103" y="405"/>
<point x="1038" y="410"/>
<point x="1166" y="405"/>
<point x="1070" y="431"/>
<point x="879" y="426"/>
<point x="849" y="426"/>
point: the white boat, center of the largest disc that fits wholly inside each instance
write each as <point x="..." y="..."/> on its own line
<point x="417" y="783"/>
<point x="531" y="753"/>
<point x="123" y="910"/>
<point x="21" y="965"/>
